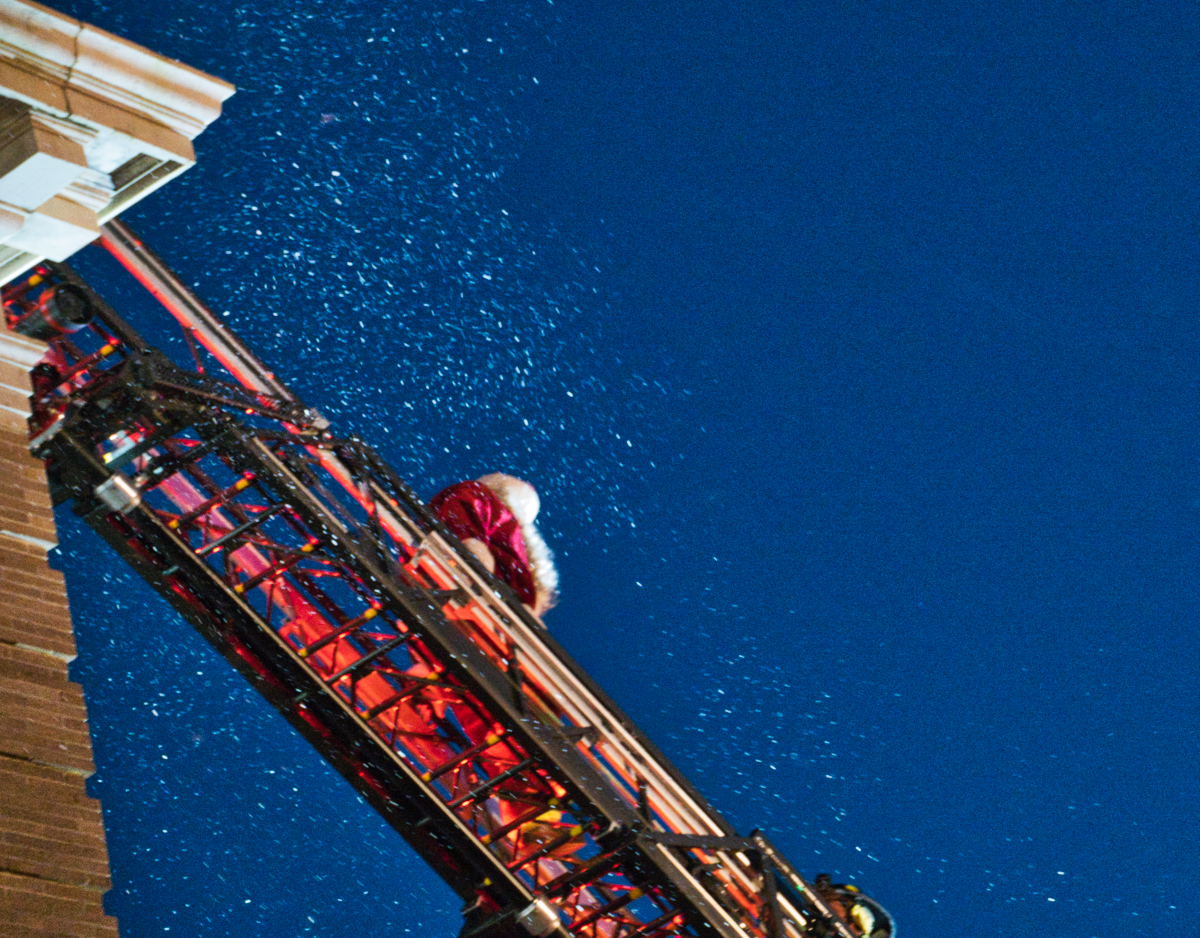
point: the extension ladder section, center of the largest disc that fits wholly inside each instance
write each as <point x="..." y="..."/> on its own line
<point x="313" y="568"/>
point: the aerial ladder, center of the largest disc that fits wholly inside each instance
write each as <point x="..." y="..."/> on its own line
<point x="311" y="566"/>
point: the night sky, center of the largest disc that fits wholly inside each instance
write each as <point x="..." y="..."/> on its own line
<point x="854" y="348"/>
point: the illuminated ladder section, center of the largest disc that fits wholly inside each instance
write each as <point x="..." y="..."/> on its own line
<point x="311" y="566"/>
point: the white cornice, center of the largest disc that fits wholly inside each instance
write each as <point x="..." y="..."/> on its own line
<point x="62" y="55"/>
<point x="77" y="105"/>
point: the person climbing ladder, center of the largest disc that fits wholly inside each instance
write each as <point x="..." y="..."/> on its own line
<point x="494" y="518"/>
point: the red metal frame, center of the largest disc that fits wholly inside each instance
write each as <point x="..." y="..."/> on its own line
<point x="352" y="606"/>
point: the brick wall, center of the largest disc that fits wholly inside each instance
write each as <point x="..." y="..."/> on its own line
<point x="53" y="862"/>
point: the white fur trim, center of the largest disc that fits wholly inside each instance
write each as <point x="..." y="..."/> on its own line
<point x="541" y="560"/>
<point x="522" y="500"/>
<point x="520" y="497"/>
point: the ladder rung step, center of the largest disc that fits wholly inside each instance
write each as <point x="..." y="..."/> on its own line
<point x="595" y="867"/>
<point x="241" y="529"/>
<point x="368" y="658"/>
<point x="533" y="814"/>
<point x="273" y="571"/>
<point x="547" y="848"/>
<point x="209" y="504"/>
<point x="608" y="908"/>
<point x="342" y="630"/>
<point x="466" y="755"/>
<point x="661" y="922"/>
<point x="490" y="784"/>
<point x="421" y="684"/>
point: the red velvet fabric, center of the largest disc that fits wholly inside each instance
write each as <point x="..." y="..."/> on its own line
<point x="471" y="509"/>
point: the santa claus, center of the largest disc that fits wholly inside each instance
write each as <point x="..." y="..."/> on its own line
<point x="493" y="517"/>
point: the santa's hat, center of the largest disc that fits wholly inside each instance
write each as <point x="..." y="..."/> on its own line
<point x="522" y="500"/>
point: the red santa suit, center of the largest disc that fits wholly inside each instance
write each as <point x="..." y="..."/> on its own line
<point x="472" y="510"/>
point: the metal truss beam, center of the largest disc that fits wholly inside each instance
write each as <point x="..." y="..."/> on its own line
<point x="308" y="564"/>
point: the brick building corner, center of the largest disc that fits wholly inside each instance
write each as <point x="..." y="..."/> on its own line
<point x="53" y="861"/>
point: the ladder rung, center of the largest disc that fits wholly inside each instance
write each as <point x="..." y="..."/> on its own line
<point x="273" y="571"/>
<point x="368" y="658"/>
<point x="660" y="922"/>
<point x="490" y="784"/>
<point x="209" y="504"/>
<point x="464" y="756"/>
<point x="345" y="629"/>
<point x="595" y="867"/>
<point x="549" y="847"/>
<point x="616" y="904"/>
<point x="241" y="529"/>
<point x="533" y="814"/>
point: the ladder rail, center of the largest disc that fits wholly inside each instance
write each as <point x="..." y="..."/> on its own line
<point x="573" y="738"/>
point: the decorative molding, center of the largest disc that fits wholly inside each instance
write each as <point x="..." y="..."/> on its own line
<point x="66" y="54"/>
<point x="90" y="124"/>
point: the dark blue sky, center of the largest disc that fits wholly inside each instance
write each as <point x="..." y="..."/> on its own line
<point x="855" y="350"/>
